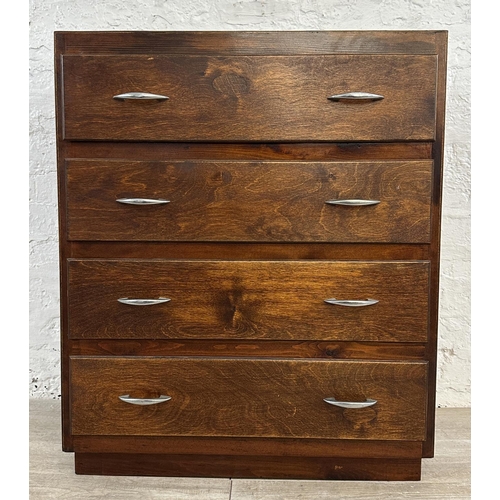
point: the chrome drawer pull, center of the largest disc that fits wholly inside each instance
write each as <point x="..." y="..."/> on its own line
<point x="142" y="201"/>
<point x="352" y="303"/>
<point x="353" y="203"/>
<point x="143" y="302"/>
<point x="359" y="96"/>
<point x="140" y="95"/>
<point x="350" y="404"/>
<point x="144" y="401"/>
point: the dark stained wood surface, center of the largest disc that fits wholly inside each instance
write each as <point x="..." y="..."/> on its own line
<point x="435" y="247"/>
<point x="144" y="464"/>
<point x="244" y="251"/>
<point x="249" y="98"/>
<point x="298" y="151"/>
<point x="285" y="447"/>
<point x="64" y="249"/>
<point x="248" y="300"/>
<point x="243" y="201"/>
<point x="248" y="397"/>
<point x="243" y="348"/>
<point x="135" y="458"/>
<point x="249" y="42"/>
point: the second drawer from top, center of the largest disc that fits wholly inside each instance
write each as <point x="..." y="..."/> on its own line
<point x="368" y="201"/>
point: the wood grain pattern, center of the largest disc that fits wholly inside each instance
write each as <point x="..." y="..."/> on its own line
<point x="242" y="201"/>
<point x="246" y="151"/>
<point x="254" y="446"/>
<point x="249" y="300"/>
<point x="246" y="251"/>
<point x="243" y="348"/>
<point x="222" y="71"/>
<point x="249" y="98"/>
<point x="249" y="467"/>
<point x="250" y="397"/>
<point x="250" y="42"/>
<point x="435" y="247"/>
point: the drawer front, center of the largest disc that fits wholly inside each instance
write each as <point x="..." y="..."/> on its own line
<point x="248" y="398"/>
<point x="248" y="300"/>
<point x="249" y="201"/>
<point x="249" y="98"/>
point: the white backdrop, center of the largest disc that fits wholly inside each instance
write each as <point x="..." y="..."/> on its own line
<point x="47" y="16"/>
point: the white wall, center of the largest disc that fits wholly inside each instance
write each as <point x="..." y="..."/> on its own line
<point x="47" y="16"/>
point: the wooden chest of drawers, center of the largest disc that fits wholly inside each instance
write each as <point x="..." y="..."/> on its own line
<point x="249" y="250"/>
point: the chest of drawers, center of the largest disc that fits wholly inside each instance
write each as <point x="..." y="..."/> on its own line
<point x="249" y="251"/>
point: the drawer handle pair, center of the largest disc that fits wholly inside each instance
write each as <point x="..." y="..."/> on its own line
<point x="355" y="96"/>
<point x="349" y="96"/>
<point x="144" y="401"/>
<point x="331" y="401"/>
<point x="143" y="302"/>
<point x="159" y="201"/>
<point x="352" y="303"/>
<point x="163" y="300"/>
<point x="143" y="96"/>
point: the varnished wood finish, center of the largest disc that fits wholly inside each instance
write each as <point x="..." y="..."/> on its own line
<point x="270" y="348"/>
<point x="265" y="201"/>
<point x="285" y="447"/>
<point x="248" y="398"/>
<point x="250" y="42"/>
<point x="246" y="251"/>
<point x="64" y="250"/>
<point x="249" y="467"/>
<point x="404" y="139"/>
<point x="249" y="98"/>
<point x="304" y="151"/>
<point x="435" y="246"/>
<point x="249" y="300"/>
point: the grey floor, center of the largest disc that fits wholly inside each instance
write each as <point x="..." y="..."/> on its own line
<point x="447" y="476"/>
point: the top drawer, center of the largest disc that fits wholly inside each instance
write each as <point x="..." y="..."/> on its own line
<point x="249" y="98"/>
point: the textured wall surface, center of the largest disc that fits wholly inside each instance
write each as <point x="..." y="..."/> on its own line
<point x="47" y="16"/>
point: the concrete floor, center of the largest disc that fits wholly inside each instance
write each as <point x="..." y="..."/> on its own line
<point x="447" y="476"/>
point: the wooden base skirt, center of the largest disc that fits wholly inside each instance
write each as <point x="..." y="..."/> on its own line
<point x="262" y="467"/>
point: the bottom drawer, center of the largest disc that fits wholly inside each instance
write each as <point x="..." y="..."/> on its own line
<point x="248" y="398"/>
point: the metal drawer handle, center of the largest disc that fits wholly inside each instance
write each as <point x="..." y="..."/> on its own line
<point x="353" y="203"/>
<point x="358" y="96"/>
<point x="350" y="404"/>
<point x="352" y="303"/>
<point x="143" y="302"/>
<point x="144" y="401"/>
<point x="142" y="201"/>
<point x="140" y="95"/>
